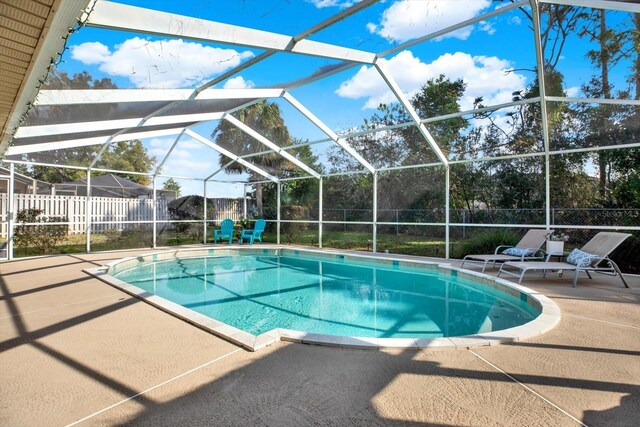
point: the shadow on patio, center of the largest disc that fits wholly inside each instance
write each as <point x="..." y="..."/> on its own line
<point x="294" y="384"/>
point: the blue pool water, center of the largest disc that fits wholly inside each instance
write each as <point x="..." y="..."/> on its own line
<point x="257" y="293"/>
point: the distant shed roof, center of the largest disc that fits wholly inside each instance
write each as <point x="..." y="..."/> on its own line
<point x="110" y="186"/>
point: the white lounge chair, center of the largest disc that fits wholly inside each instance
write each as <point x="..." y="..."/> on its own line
<point x="599" y="248"/>
<point x="528" y="248"/>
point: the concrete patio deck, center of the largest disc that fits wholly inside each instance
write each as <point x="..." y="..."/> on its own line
<point x="75" y="349"/>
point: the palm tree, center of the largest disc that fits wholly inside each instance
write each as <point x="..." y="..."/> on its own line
<point x="263" y="117"/>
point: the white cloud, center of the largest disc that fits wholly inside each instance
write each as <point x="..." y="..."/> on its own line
<point x="238" y="83"/>
<point x="186" y="159"/>
<point x="484" y="75"/>
<point x="90" y="53"/>
<point x="405" y="20"/>
<point x="572" y="92"/>
<point x="160" y="63"/>
<point x="515" y="20"/>
<point x="487" y="27"/>
<point x="332" y="3"/>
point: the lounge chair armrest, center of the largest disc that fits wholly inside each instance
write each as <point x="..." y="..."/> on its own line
<point x="502" y="247"/>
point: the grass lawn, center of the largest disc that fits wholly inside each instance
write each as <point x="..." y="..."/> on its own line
<point x="401" y="244"/>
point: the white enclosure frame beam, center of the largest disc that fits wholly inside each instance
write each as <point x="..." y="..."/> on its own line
<point x="83" y="168"/>
<point x="593" y="100"/>
<point x="230" y="155"/>
<point x="304" y="34"/>
<point x="115" y="96"/>
<point x="246" y="129"/>
<point x="330" y="133"/>
<point x="455" y="27"/>
<point x="535" y="14"/>
<point x="130" y="18"/>
<point x="65" y="128"/>
<point x="347" y="65"/>
<point x="391" y="83"/>
<point x="166" y="156"/>
<point x="598" y="4"/>
<point x="220" y="170"/>
<point x="83" y="142"/>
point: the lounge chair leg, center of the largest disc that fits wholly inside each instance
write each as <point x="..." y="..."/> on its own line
<point x="521" y="277"/>
<point x="575" y="277"/>
<point x="484" y="266"/>
<point x="618" y="272"/>
<point x="588" y="274"/>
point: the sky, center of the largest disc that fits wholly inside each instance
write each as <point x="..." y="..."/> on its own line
<point x="494" y="57"/>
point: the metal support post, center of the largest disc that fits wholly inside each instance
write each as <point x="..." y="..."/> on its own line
<point x="244" y="200"/>
<point x="278" y="214"/>
<point x="535" y="13"/>
<point x="155" y="213"/>
<point x="87" y="211"/>
<point x="204" y="223"/>
<point x="375" y="212"/>
<point x="320" y="213"/>
<point x="11" y="215"/>
<point x="447" y="218"/>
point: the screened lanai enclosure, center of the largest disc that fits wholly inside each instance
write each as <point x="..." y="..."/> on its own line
<point x="430" y="128"/>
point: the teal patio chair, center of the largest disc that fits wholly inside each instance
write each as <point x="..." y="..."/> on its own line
<point x="224" y="232"/>
<point x="255" y="234"/>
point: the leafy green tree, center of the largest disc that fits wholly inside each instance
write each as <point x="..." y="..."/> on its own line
<point x="129" y="156"/>
<point x="299" y="197"/>
<point x="172" y="185"/>
<point x="410" y="189"/>
<point x="599" y="119"/>
<point x="265" y="118"/>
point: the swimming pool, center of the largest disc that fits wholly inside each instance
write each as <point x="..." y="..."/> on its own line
<point x="258" y="296"/>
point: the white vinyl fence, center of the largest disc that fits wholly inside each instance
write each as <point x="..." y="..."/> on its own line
<point x="106" y="212"/>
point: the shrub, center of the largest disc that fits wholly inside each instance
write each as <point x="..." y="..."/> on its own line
<point x="43" y="238"/>
<point x="189" y="208"/>
<point x="485" y="242"/>
<point x="626" y="255"/>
